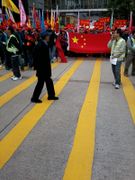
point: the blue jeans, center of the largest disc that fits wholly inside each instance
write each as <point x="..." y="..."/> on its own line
<point x="117" y="72"/>
<point x="52" y="52"/>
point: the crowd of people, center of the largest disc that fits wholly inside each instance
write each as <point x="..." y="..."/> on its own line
<point x="17" y="48"/>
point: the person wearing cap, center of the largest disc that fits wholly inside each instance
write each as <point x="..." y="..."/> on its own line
<point x="42" y="65"/>
<point x="14" y="49"/>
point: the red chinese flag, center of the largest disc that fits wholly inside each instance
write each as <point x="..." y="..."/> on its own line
<point x="60" y="51"/>
<point x="89" y="43"/>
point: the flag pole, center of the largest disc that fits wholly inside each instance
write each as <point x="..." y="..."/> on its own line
<point x="131" y="21"/>
<point x="57" y="19"/>
<point x="112" y="18"/>
<point x="78" y="22"/>
<point x="57" y="10"/>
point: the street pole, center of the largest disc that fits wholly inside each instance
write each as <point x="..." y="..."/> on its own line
<point x="112" y="18"/>
<point x="131" y="21"/>
<point x="78" y="22"/>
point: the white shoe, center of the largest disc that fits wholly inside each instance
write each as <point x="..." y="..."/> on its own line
<point x="114" y="84"/>
<point x="14" y="78"/>
<point x="117" y="86"/>
<point x="20" y="77"/>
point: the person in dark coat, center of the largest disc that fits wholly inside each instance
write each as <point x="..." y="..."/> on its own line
<point x="42" y="65"/>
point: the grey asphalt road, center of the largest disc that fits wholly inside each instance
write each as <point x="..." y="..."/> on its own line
<point x="44" y="153"/>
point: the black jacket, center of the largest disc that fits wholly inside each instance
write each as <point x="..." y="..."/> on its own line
<point x="41" y="60"/>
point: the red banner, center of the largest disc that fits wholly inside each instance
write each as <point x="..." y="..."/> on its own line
<point x="104" y="20"/>
<point x="89" y="43"/>
<point x="84" y="22"/>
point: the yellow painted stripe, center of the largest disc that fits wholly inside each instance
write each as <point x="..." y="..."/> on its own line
<point x="79" y="166"/>
<point x="6" y="76"/>
<point x="9" y="74"/>
<point x="16" y="136"/>
<point x="15" y="91"/>
<point x="1" y="68"/>
<point x="129" y="92"/>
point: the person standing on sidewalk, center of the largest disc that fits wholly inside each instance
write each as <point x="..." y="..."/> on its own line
<point x="130" y="54"/>
<point x="42" y="65"/>
<point x="14" y="48"/>
<point x="118" y="50"/>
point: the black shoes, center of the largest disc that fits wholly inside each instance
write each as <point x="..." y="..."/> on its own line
<point x="36" y="100"/>
<point x="53" y="98"/>
<point x="39" y="101"/>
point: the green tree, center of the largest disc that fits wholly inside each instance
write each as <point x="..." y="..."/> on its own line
<point x="122" y="8"/>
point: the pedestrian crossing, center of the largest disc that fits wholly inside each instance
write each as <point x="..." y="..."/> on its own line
<point x="6" y="76"/>
<point x="83" y="149"/>
<point x="129" y="92"/>
<point x="16" y="136"/>
<point x="80" y="162"/>
<point x="15" y="91"/>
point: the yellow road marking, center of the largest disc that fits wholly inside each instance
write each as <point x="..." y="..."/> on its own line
<point x="16" y="136"/>
<point x="129" y="92"/>
<point x="9" y="74"/>
<point x="15" y="91"/>
<point x="6" y="76"/>
<point x="79" y="165"/>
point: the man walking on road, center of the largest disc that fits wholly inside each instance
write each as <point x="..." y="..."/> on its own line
<point x="118" y="49"/>
<point x="42" y="66"/>
<point x="130" y="54"/>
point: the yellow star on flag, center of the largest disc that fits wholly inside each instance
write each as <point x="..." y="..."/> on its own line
<point x="75" y="40"/>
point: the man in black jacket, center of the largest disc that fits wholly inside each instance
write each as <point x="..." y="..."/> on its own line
<point x="42" y="65"/>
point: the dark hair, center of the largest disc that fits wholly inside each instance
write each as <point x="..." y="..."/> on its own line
<point x="11" y="29"/>
<point x="119" y="31"/>
<point x="44" y="34"/>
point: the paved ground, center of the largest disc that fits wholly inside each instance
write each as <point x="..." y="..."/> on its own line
<point x="89" y="134"/>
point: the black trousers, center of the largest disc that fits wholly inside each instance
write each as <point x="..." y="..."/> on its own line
<point x="40" y="85"/>
<point x="8" y="63"/>
<point x="15" y="66"/>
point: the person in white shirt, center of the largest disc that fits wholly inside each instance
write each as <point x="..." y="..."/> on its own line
<point x="118" y="50"/>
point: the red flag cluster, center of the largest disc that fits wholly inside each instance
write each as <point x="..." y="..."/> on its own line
<point x="84" y="22"/>
<point x="104" y="20"/>
<point x="52" y="21"/>
<point x="69" y="26"/>
<point x="101" y="23"/>
<point x="119" y="23"/>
